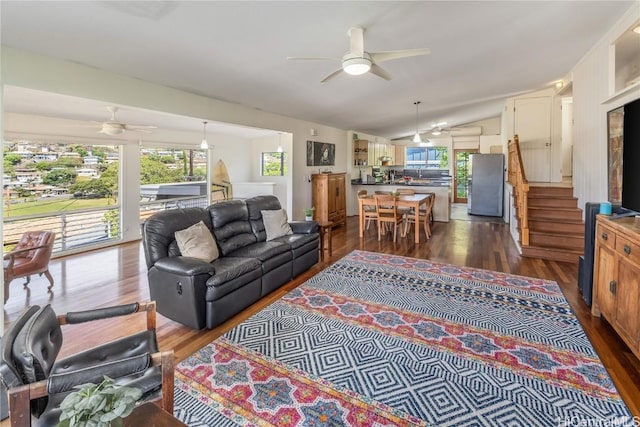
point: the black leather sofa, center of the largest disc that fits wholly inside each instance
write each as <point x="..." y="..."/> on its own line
<point x="201" y="294"/>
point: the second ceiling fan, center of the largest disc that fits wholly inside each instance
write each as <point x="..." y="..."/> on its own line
<point x="115" y="127"/>
<point x="357" y="61"/>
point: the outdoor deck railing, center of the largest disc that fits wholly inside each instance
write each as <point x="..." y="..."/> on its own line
<point x="87" y="227"/>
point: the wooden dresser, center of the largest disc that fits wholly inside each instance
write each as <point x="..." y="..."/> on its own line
<point x="616" y="279"/>
<point x="329" y="197"/>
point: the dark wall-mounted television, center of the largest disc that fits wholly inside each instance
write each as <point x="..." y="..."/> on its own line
<point x="624" y="156"/>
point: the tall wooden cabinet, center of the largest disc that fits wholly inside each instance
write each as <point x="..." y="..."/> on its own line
<point x="616" y="286"/>
<point x="329" y="198"/>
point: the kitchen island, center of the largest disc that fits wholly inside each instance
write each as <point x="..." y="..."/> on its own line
<point x="442" y="204"/>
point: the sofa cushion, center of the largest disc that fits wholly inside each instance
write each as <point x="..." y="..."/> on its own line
<point x="262" y="250"/>
<point x="159" y="229"/>
<point x="228" y="269"/>
<point x="231" y="227"/>
<point x="275" y="223"/>
<point x="255" y="206"/>
<point x="197" y="242"/>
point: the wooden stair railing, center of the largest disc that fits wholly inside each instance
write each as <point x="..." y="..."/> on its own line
<point x="518" y="179"/>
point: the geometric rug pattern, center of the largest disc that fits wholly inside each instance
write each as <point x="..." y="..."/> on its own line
<point x="384" y="340"/>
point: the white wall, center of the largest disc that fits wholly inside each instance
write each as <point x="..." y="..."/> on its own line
<point x="491" y="142"/>
<point x="567" y="136"/>
<point x="23" y="69"/>
<point x="283" y="183"/>
<point x="591" y="82"/>
<point x="490" y="126"/>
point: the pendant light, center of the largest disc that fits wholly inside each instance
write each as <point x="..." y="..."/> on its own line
<point x="204" y="145"/>
<point x="416" y="137"/>
<point x="280" y="149"/>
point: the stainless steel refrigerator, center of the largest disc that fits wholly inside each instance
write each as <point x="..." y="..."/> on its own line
<point x="486" y="184"/>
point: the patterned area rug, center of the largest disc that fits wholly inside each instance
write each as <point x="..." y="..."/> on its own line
<point x="380" y="340"/>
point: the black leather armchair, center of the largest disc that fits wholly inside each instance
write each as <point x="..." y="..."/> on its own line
<point x="30" y="348"/>
<point x="59" y="385"/>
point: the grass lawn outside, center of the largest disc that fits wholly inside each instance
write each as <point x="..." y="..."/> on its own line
<point x="36" y="207"/>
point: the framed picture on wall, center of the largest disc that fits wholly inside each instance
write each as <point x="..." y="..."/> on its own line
<point x="615" y="120"/>
<point x="321" y="154"/>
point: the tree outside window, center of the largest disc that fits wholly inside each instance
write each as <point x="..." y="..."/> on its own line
<point x="274" y="163"/>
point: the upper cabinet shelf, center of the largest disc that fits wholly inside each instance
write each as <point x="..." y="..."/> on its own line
<point x="360" y="152"/>
<point x="623" y="92"/>
<point x="625" y="62"/>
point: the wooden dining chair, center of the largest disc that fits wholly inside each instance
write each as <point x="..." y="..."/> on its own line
<point x="423" y="216"/>
<point x="387" y="207"/>
<point x="409" y="191"/>
<point x="368" y="211"/>
<point x="405" y="210"/>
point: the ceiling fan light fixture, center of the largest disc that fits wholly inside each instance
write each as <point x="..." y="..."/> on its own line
<point x="112" y="129"/>
<point x="417" y="138"/>
<point x="356" y="66"/>
<point x="204" y="145"/>
<point x="436" y="132"/>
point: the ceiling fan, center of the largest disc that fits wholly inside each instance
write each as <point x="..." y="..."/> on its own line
<point x="115" y="127"/>
<point x="357" y="61"/>
<point x="438" y="129"/>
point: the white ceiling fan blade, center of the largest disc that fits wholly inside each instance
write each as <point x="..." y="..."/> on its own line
<point x="332" y="75"/>
<point x="397" y="54"/>
<point x="356" y="35"/>
<point x="139" y="129"/>
<point x="378" y="71"/>
<point x="134" y="127"/>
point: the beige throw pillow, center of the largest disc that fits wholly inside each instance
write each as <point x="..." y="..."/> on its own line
<point x="197" y="242"/>
<point x="275" y="223"/>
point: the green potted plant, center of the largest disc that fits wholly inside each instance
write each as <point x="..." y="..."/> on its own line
<point x="101" y="405"/>
<point x="308" y="213"/>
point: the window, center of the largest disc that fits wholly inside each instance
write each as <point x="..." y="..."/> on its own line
<point x="172" y="178"/>
<point x="68" y="188"/>
<point x="274" y="164"/>
<point x="427" y="158"/>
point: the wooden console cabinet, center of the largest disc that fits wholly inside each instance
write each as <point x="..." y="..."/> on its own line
<point x="616" y="280"/>
<point x="329" y="197"/>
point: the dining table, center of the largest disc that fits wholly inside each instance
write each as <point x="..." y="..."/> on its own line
<point x="403" y="200"/>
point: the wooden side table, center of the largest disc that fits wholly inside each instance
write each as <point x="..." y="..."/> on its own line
<point x="325" y="231"/>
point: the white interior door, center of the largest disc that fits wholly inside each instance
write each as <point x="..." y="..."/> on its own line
<point x="533" y="127"/>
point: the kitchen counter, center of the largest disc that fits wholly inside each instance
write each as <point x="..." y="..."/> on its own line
<point x="414" y="183"/>
<point x="442" y="204"/>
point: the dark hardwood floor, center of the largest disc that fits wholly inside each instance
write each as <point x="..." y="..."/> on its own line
<point x="118" y="275"/>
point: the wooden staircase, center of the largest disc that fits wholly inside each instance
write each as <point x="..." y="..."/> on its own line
<point x="548" y="218"/>
<point x="556" y="229"/>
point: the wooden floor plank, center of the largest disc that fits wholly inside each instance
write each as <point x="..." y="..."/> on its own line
<point x="118" y="275"/>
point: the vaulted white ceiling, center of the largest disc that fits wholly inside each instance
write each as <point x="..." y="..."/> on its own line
<point x="482" y="53"/>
